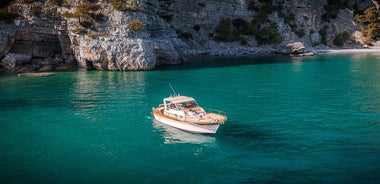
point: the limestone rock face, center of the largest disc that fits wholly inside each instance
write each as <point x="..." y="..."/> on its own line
<point x="117" y="47"/>
<point x="170" y="31"/>
<point x="137" y="54"/>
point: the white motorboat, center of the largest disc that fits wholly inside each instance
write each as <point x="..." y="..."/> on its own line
<point x="184" y="113"/>
<point x="173" y="135"/>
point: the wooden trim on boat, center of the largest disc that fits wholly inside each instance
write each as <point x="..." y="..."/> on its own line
<point x="159" y="113"/>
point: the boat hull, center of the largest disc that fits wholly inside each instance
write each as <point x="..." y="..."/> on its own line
<point x="190" y="127"/>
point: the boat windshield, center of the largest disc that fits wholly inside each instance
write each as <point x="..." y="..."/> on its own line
<point x="190" y="104"/>
<point x="180" y="102"/>
<point x="186" y="105"/>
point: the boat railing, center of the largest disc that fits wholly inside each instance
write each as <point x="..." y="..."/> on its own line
<point x="215" y="111"/>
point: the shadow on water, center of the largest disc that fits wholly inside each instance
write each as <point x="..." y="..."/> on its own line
<point x="214" y="62"/>
<point x="235" y="134"/>
<point x="247" y="136"/>
<point x="219" y="61"/>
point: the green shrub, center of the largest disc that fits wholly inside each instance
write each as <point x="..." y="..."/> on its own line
<point x="300" y="33"/>
<point x="202" y="42"/>
<point x="86" y="10"/>
<point x="269" y="35"/>
<point x="252" y="5"/>
<point x="133" y="8"/>
<point x="86" y="24"/>
<point x="345" y="35"/>
<point x="224" y="26"/>
<point x="329" y="15"/>
<point x="67" y="14"/>
<point x="371" y="24"/>
<point x="35" y="11"/>
<point x="332" y="9"/>
<point x="185" y="35"/>
<point x="372" y="31"/>
<point x="197" y="27"/>
<point x="338" y="41"/>
<point x="135" y="25"/>
<point x="86" y="13"/>
<point x="224" y="30"/>
<point x="262" y="16"/>
<point x="98" y="17"/>
<point x="80" y="31"/>
<point x="370" y="15"/>
<point x="56" y="2"/>
<point x="323" y="33"/>
<point x="268" y="7"/>
<point x="290" y="17"/>
<point x="243" y="41"/>
<point x="239" y="23"/>
<point x="279" y="7"/>
<point x="314" y="44"/>
<point x="167" y="17"/>
<point x="242" y="27"/>
<point x="255" y="25"/>
<point x="118" y="5"/>
<point x="66" y="4"/>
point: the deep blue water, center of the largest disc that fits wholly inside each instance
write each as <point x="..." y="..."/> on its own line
<point x="291" y="120"/>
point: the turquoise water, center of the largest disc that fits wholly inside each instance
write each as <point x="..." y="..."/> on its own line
<point x="291" y="120"/>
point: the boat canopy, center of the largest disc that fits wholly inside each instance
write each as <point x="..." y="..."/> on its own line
<point x="178" y="99"/>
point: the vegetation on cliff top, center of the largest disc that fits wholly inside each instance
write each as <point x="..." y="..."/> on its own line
<point x="86" y="13"/>
<point x="135" y="25"/>
<point x="121" y="5"/>
<point x="261" y="27"/>
<point x="264" y="30"/>
<point x="370" y="21"/>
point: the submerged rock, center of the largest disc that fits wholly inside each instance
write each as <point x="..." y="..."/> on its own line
<point x="36" y="74"/>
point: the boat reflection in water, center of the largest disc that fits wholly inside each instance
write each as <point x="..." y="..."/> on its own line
<point x="173" y="135"/>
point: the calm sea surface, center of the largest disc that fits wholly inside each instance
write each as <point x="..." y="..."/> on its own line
<point x="291" y="120"/>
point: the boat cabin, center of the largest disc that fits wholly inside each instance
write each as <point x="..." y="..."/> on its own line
<point x="179" y="105"/>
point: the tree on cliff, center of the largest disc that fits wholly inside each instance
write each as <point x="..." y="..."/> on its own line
<point x="370" y="20"/>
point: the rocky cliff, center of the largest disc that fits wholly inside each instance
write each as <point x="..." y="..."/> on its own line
<point x="141" y="34"/>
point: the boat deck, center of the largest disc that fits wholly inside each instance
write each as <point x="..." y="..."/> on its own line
<point x="194" y="115"/>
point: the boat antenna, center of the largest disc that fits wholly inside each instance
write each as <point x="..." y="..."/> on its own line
<point x="171" y="87"/>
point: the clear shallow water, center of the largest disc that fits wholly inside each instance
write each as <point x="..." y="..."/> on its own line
<point x="291" y="120"/>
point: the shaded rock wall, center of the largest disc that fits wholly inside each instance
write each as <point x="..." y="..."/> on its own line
<point x="42" y="38"/>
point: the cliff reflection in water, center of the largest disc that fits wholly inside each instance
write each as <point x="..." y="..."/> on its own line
<point x="173" y="135"/>
<point x="96" y="93"/>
